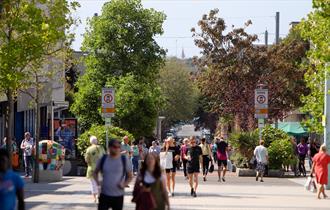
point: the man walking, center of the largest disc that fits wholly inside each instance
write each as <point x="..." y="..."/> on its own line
<point x="126" y="148"/>
<point x="27" y="146"/>
<point x="261" y="155"/>
<point x="117" y="173"/>
<point x="195" y="159"/>
<point x="222" y="149"/>
<point x="11" y="185"/>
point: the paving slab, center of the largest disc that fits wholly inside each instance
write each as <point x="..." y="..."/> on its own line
<point x="237" y="193"/>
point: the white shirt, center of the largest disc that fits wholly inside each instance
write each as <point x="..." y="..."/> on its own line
<point x="28" y="145"/>
<point x="261" y="154"/>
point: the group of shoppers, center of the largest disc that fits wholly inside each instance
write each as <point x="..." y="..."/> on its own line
<point x="153" y="184"/>
<point x="116" y="169"/>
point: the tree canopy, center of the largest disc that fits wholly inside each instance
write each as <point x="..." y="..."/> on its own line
<point x="231" y="67"/>
<point x="179" y="91"/>
<point x="316" y="30"/>
<point x="123" y="53"/>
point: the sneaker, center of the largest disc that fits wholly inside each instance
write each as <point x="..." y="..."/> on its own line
<point x="204" y="178"/>
<point x="194" y="195"/>
<point x="192" y="192"/>
<point x="219" y="180"/>
<point x="223" y="179"/>
<point x="261" y="180"/>
<point x="26" y="176"/>
<point x="172" y="194"/>
<point x="169" y="194"/>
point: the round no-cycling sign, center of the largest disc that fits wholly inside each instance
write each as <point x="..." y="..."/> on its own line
<point x="108" y="98"/>
<point x="261" y="99"/>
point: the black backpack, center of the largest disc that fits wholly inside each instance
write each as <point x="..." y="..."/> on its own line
<point x="123" y="160"/>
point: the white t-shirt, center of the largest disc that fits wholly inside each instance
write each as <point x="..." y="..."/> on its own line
<point x="261" y="154"/>
<point x="28" y="147"/>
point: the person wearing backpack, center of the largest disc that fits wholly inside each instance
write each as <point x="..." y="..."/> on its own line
<point x="116" y="171"/>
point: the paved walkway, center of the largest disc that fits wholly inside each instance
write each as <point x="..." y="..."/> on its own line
<point x="235" y="194"/>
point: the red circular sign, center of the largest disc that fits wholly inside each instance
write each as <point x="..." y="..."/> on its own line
<point x="261" y="99"/>
<point x="108" y="98"/>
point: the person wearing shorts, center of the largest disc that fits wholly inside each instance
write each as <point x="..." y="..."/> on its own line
<point x="222" y="149"/>
<point x="170" y="173"/>
<point x="261" y="154"/>
<point x="195" y="159"/>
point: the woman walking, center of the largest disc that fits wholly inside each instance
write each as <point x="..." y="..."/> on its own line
<point x="183" y="154"/>
<point x="302" y="149"/>
<point x="93" y="154"/>
<point x="320" y="168"/>
<point x="207" y="157"/>
<point x="170" y="173"/>
<point x="150" y="191"/>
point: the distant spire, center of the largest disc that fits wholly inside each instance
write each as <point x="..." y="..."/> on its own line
<point x="183" y="56"/>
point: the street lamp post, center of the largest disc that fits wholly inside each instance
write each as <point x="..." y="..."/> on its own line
<point x="159" y="127"/>
<point x="327" y="112"/>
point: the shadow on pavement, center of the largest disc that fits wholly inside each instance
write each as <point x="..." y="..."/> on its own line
<point x="40" y="205"/>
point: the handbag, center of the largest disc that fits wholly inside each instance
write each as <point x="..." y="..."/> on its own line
<point x="229" y="166"/>
<point x="211" y="168"/>
<point x="310" y="184"/>
<point x="144" y="199"/>
<point x="166" y="160"/>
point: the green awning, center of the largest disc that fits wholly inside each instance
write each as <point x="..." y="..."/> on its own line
<point x="292" y="128"/>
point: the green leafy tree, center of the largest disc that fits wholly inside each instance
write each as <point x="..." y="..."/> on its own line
<point x="137" y="105"/>
<point x="179" y="91"/>
<point x="119" y="42"/>
<point x="31" y="32"/>
<point x="316" y="30"/>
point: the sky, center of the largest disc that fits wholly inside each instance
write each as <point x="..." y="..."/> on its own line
<point x="182" y="15"/>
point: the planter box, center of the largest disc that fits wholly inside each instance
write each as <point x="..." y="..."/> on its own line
<point x="245" y="172"/>
<point x="275" y="173"/>
<point x="252" y="172"/>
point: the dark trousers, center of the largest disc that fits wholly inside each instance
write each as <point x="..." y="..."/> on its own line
<point x="302" y="168"/>
<point x="106" y="202"/>
<point x="184" y="163"/>
<point x="206" y="164"/>
<point x="28" y="163"/>
<point x="135" y="162"/>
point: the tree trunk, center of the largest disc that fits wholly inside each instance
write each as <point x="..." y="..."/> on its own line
<point x="10" y="121"/>
<point x="36" y="136"/>
<point x="237" y="123"/>
<point x="251" y="122"/>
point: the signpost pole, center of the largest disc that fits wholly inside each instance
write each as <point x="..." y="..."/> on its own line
<point x="261" y="107"/>
<point x="108" y="109"/>
<point x="327" y="113"/>
<point x="107" y="126"/>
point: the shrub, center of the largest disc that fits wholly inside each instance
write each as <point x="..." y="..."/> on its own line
<point x="243" y="144"/>
<point x="100" y="132"/>
<point x="270" y="134"/>
<point x="281" y="153"/>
